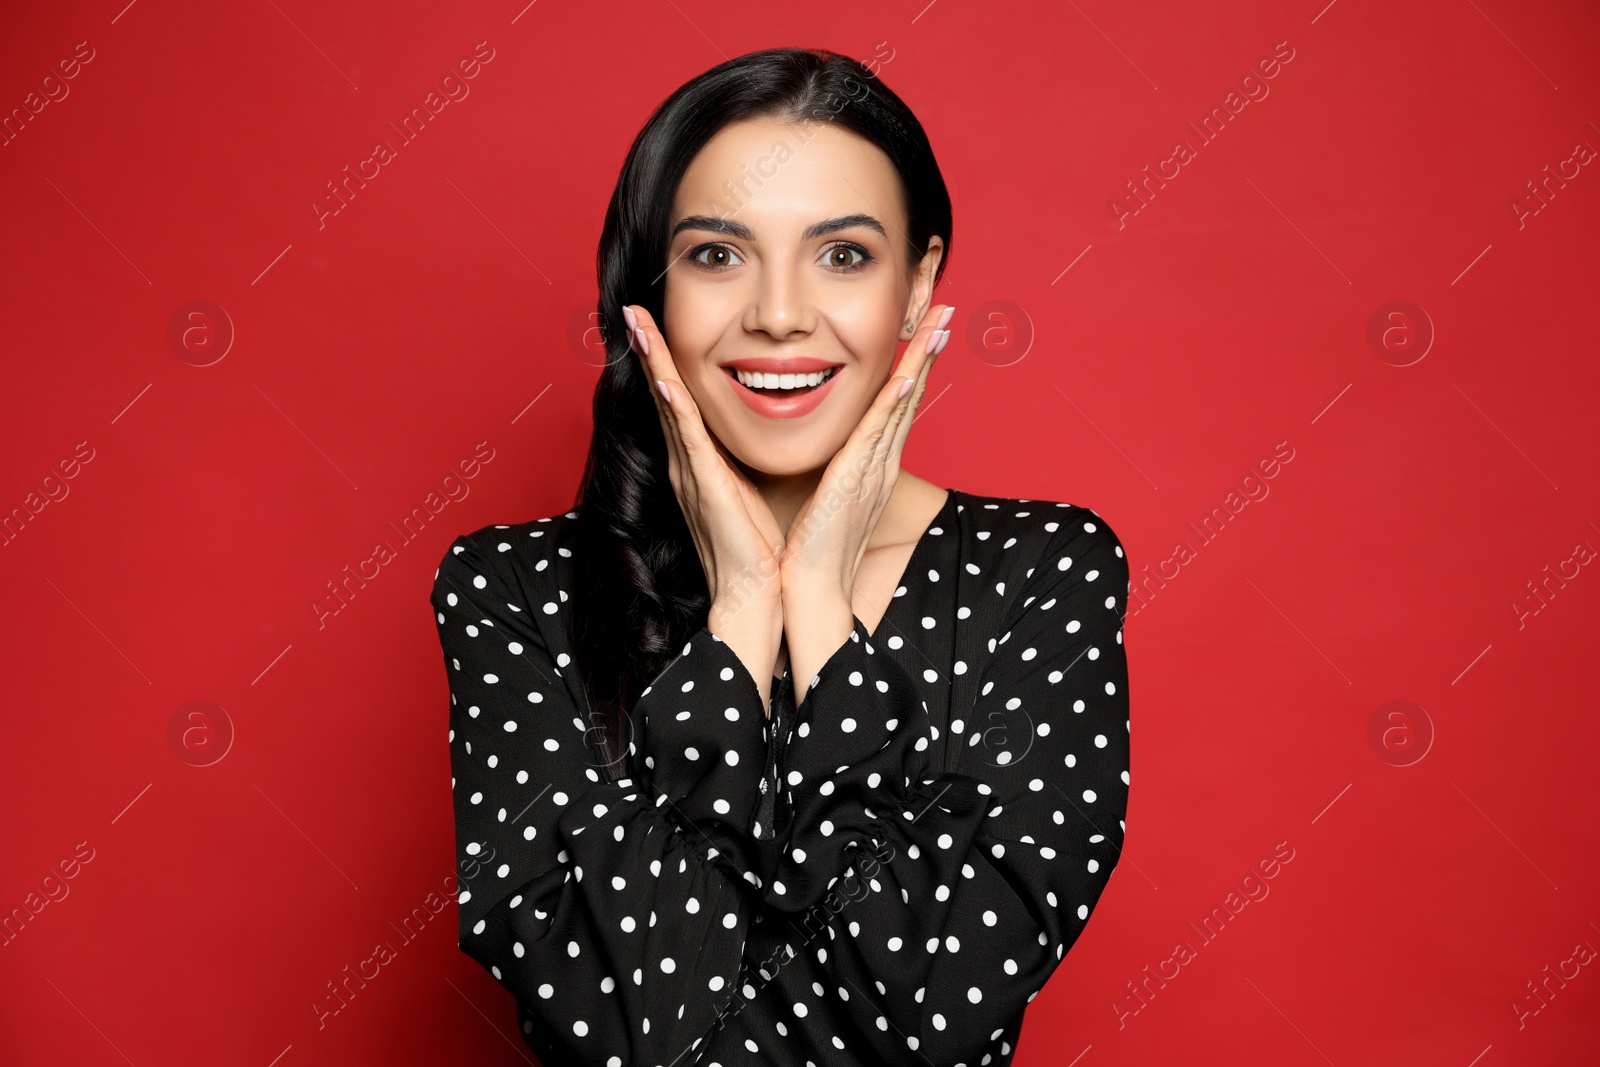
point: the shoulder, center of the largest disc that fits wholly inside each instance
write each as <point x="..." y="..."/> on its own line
<point x="527" y="555"/>
<point x="1059" y="523"/>
<point x="1061" y="540"/>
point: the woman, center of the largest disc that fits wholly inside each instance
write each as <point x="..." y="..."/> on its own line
<point x="766" y="751"/>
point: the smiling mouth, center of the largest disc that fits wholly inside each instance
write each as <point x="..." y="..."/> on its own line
<point x="781" y="384"/>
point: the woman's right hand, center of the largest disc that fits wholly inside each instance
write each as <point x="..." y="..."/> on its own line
<point x="735" y="533"/>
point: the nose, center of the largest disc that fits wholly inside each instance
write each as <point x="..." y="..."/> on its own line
<point x="781" y="304"/>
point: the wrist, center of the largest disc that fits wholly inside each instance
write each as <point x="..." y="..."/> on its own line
<point x="814" y="594"/>
<point x="760" y="617"/>
<point x="815" y="628"/>
<point x="754" y="630"/>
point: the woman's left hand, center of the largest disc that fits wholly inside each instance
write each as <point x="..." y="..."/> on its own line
<point x="829" y="536"/>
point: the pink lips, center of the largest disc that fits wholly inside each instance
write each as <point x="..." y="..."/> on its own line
<point x="782" y="407"/>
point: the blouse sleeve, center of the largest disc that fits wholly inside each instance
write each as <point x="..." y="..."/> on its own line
<point x="982" y="878"/>
<point x="614" y="911"/>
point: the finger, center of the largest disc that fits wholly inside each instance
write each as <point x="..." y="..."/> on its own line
<point x="686" y="485"/>
<point x="908" y="403"/>
<point x="630" y="315"/>
<point x="863" y="451"/>
<point x="874" y="428"/>
<point x="669" y="429"/>
<point x="652" y="344"/>
<point x="655" y="358"/>
<point x="905" y="412"/>
<point x="659" y="367"/>
<point x="681" y="454"/>
<point x="705" y="464"/>
<point x="690" y="427"/>
<point x="914" y="364"/>
<point x="901" y="427"/>
<point x="677" y="459"/>
<point x="687" y="424"/>
<point x="876" y="433"/>
<point x="928" y="333"/>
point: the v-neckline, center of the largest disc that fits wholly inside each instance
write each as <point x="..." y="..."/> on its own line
<point x="918" y="550"/>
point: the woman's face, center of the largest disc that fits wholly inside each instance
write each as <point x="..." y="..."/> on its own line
<point x="788" y="255"/>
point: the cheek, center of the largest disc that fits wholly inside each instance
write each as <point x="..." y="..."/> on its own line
<point x="692" y="338"/>
<point x="869" y="330"/>
<point x="691" y="332"/>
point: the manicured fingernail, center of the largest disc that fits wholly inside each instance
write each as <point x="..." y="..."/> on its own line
<point x="944" y="320"/>
<point x="905" y="387"/>
<point x="644" y="342"/>
<point x="933" y="342"/>
<point x="662" y="387"/>
<point x="944" y="339"/>
<point x="627" y="313"/>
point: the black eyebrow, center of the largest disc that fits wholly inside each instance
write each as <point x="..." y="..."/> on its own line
<point x="735" y="228"/>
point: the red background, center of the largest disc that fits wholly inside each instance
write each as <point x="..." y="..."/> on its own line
<point x="443" y="306"/>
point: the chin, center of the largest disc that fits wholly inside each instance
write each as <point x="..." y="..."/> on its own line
<point x="778" y="460"/>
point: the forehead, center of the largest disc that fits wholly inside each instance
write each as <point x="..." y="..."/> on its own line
<point x="779" y="177"/>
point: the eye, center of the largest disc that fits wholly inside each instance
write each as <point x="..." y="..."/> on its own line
<point x="833" y="254"/>
<point x="723" y="250"/>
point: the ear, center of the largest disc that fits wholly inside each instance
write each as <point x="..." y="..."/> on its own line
<point x="922" y="287"/>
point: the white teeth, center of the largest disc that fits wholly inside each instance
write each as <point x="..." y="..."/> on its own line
<point x="755" y="380"/>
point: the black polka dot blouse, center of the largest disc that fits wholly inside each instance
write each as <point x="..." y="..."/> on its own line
<point x="886" y="874"/>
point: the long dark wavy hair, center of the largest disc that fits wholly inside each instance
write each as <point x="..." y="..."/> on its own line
<point x="640" y="587"/>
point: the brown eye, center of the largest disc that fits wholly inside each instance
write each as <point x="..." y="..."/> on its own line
<point x="723" y="257"/>
<point x="838" y="258"/>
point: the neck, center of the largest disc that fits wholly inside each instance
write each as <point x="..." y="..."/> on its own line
<point x="785" y="494"/>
